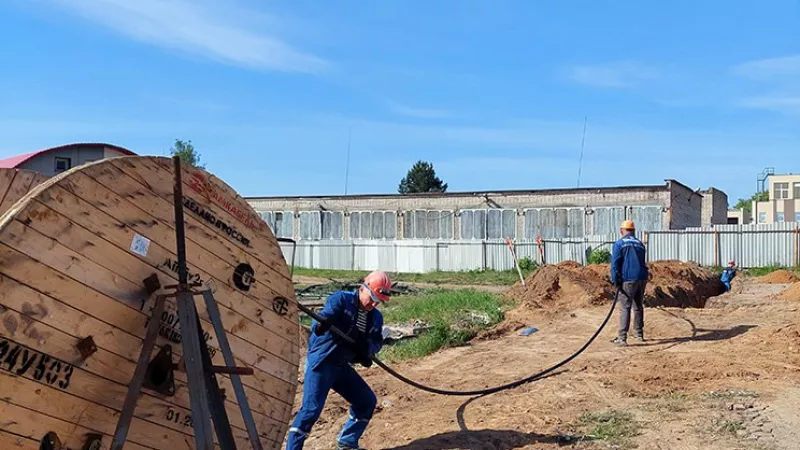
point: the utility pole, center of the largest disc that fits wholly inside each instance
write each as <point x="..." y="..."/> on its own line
<point x="583" y="141"/>
<point x="347" y="167"/>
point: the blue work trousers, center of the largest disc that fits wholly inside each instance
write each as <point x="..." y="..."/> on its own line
<point x="345" y="381"/>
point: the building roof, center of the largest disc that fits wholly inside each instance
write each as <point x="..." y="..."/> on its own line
<point x="16" y="161"/>
<point x="587" y="190"/>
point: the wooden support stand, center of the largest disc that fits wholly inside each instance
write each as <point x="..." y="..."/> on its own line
<point x="205" y="396"/>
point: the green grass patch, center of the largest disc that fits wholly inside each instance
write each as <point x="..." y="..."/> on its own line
<point x="731" y="426"/>
<point x="455" y="317"/>
<point x="766" y="270"/>
<point x="474" y="277"/>
<point x="614" y="427"/>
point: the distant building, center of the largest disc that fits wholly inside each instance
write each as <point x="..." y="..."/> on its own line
<point x="784" y="200"/>
<point x="471" y="216"/>
<point x="55" y="160"/>
<point x="739" y="217"/>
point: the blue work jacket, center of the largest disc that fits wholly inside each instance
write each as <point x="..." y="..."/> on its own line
<point x="728" y="274"/>
<point x="628" y="261"/>
<point x="341" y="309"/>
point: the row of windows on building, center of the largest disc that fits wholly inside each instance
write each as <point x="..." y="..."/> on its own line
<point x="474" y="224"/>
<point x="782" y="191"/>
<point x="779" y="217"/>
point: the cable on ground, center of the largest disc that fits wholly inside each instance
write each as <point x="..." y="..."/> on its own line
<point x="476" y="392"/>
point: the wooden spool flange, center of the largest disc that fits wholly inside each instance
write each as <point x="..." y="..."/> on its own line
<point x="15" y="183"/>
<point x="74" y="254"/>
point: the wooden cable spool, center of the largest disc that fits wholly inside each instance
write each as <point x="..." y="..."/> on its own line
<point x="74" y="254"/>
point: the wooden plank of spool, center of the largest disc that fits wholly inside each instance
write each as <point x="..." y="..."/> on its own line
<point x="14" y="442"/>
<point x="74" y="252"/>
<point x="15" y="183"/>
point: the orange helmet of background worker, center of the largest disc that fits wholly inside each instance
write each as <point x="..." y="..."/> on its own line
<point x="375" y="289"/>
<point x="627" y="225"/>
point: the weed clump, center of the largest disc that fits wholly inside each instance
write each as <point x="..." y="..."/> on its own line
<point x="454" y="317"/>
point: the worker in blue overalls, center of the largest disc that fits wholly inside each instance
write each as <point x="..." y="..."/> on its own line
<point x="728" y="274"/>
<point x="329" y="360"/>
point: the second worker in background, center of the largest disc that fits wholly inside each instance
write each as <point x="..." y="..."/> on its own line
<point x="629" y="274"/>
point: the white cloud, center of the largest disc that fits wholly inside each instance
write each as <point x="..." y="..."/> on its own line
<point x="216" y="30"/>
<point x="781" y="76"/>
<point x="420" y="113"/>
<point x="784" y="104"/>
<point x="787" y="66"/>
<point x="619" y="74"/>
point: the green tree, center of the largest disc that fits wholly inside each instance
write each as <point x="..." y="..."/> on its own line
<point x="747" y="203"/>
<point x="186" y="152"/>
<point x="421" y="178"/>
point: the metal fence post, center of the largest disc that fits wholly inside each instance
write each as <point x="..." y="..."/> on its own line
<point x="797" y="246"/>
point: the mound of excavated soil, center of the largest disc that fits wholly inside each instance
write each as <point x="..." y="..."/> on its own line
<point x="564" y="285"/>
<point x="790" y="293"/>
<point x="569" y="285"/>
<point x="779" y="277"/>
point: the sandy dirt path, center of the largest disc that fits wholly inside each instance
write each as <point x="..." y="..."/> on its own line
<point x="723" y="377"/>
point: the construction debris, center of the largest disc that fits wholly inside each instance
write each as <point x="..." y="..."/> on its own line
<point x="392" y="333"/>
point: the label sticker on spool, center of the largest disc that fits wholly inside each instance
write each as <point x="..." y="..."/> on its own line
<point x="140" y="244"/>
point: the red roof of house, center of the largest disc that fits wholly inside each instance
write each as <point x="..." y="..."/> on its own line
<point x="16" y="161"/>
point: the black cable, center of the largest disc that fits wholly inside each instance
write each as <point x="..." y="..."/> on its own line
<point x="486" y="391"/>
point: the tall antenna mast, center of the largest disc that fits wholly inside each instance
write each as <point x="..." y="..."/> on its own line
<point x="347" y="167"/>
<point x="583" y="141"/>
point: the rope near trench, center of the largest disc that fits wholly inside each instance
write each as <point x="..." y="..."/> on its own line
<point x="477" y="392"/>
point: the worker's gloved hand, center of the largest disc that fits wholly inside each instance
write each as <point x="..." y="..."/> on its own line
<point x="322" y="327"/>
<point x="362" y="353"/>
<point x="364" y="360"/>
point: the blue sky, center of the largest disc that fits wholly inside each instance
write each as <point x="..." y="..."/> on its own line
<point x="493" y="93"/>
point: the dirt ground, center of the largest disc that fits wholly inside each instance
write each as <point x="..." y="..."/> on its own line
<point x="726" y="376"/>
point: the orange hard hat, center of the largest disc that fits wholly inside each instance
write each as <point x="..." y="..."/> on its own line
<point x="378" y="285"/>
<point x="627" y="225"/>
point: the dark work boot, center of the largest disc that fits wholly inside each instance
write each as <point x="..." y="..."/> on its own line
<point x="638" y="337"/>
<point x="619" y="341"/>
<point x="345" y="447"/>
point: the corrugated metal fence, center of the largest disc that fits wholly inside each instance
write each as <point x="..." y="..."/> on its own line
<point x="750" y="245"/>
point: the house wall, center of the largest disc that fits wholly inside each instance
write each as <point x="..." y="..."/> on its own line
<point x="685" y="206"/>
<point x="714" y="207"/>
<point x="46" y="163"/>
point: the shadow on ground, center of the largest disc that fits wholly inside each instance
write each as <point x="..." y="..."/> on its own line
<point x="481" y="440"/>
<point x="706" y="335"/>
<point x="466" y="439"/>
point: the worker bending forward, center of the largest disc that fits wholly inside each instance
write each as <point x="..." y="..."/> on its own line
<point x="629" y="274"/>
<point x="330" y="358"/>
<point x="728" y="275"/>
